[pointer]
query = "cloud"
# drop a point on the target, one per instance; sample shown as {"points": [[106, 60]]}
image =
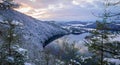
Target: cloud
{"points": [[60, 10]]}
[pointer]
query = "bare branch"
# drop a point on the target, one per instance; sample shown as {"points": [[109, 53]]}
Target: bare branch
{"points": [[3, 23]]}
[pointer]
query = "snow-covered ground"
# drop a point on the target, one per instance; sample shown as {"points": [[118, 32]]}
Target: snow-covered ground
{"points": [[117, 38], [112, 60], [32, 34], [76, 24]]}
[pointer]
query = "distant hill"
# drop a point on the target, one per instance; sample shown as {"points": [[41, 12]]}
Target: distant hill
{"points": [[89, 24]]}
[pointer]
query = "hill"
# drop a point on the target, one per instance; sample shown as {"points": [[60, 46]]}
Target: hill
{"points": [[34, 35]]}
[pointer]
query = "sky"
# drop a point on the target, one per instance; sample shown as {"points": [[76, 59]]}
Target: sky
{"points": [[61, 10]]}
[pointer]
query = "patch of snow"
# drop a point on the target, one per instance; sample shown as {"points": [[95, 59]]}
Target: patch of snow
{"points": [[15, 22], [76, 24], [115, 38], [14, 35], [10, 59], [112, 60], [88, 24], [20, 50], [27, 63], [117, 24]]}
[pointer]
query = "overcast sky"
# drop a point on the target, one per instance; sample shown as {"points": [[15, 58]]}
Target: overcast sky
{"points": [[61, 10]]}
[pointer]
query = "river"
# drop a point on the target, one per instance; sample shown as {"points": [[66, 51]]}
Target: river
{"points": [[78, 39]]}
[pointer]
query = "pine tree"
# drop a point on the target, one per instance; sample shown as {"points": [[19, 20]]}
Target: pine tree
{"points": [[7, 4], [99, 41], [10, 52]]}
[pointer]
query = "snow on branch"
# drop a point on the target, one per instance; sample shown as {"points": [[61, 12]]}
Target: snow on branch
{"points": [[14, 22]]}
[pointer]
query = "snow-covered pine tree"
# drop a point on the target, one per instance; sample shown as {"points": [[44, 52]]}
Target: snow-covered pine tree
{"points": [[99, 42], [6, 4], [10, 52]]}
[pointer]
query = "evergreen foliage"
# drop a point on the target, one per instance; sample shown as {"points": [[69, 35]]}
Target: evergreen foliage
{"points": [[100, 41], [10, 52], [7, 4]]}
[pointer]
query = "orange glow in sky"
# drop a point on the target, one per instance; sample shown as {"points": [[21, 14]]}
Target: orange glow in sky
{"points": [[61, 10], [36, 13]]}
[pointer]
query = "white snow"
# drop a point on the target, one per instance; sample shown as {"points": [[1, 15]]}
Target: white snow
{"points": [[20, 50], [117, 38], [14, 35], [112, 60], [10, 59], [85, 58], [88, 24], [27, 63], [117, 24], [33, 33], [76, 24], [15, 22]]}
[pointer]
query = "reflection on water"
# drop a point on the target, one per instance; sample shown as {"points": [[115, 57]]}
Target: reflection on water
{"points": [[79, 39], [71, 38]]}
